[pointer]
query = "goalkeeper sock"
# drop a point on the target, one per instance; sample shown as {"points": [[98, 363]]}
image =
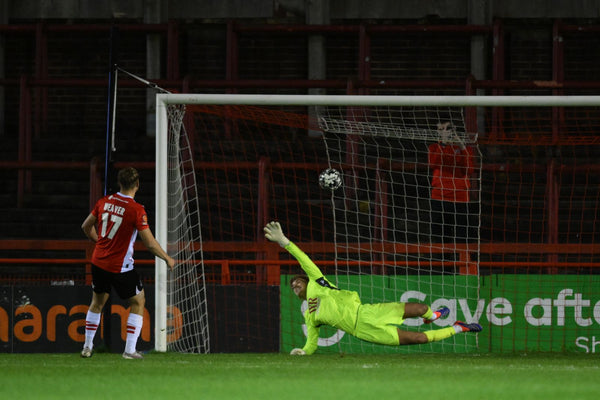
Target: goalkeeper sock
{"points": [[92, 320], [134, 327], [429, 314], [440, 334]]}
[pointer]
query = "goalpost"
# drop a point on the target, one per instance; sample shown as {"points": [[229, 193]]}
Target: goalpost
{"points": [[387, 244], [180, 301]]}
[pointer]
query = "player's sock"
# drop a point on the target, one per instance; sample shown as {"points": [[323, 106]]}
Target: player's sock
{"points": [[92, 320], [134, 327], [428, 314], [440, 334], [433, 315]]}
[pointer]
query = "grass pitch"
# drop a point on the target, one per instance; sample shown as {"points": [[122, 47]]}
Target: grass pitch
{"points": [[279, 376]]}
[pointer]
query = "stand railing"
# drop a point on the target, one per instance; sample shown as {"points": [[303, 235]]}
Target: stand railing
{"points": [[236, 271]]}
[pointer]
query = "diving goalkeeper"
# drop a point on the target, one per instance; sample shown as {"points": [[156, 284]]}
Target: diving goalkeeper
{"points": [[342, 309]]}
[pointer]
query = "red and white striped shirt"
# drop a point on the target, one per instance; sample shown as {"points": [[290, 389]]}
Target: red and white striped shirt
{"points": [[119, 218]]}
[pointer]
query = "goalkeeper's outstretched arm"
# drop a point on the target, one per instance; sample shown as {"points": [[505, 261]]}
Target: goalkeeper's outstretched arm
{"points": [[274, 233], [311, 343]]}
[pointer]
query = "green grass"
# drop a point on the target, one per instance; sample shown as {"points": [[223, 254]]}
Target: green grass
{"points": [[279, 376]]}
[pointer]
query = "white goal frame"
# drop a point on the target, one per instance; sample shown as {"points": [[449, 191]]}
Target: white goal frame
{"points": [[162, 100]]}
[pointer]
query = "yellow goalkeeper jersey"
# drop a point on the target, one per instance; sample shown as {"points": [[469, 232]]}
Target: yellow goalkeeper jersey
{"points": [[327, 305]]}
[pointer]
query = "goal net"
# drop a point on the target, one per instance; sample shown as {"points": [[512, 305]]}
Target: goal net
{"points": [[482, 204]]}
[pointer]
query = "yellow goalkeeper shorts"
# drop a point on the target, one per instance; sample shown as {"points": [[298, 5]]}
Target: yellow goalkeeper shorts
{"points": [[378, 323]]}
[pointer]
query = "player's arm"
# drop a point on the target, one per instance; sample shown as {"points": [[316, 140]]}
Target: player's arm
{"points": [[312, 340], [467, 160], [306, 263], [154, 247], [89, 227], [274, 233]]}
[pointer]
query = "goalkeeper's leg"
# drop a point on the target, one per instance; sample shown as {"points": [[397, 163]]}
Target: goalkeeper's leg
{"points": [[421, 310], [440, 334], [406, 337], [424, 311], [445, 333]]}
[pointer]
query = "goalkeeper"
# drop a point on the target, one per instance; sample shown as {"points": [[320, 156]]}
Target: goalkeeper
{"points": [[342, 309]]}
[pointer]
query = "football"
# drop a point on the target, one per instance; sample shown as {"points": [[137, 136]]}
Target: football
{"points": [[330, 179]]}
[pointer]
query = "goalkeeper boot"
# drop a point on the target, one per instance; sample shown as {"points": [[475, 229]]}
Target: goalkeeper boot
{"points": [[133, 356], [86, 352], [464, 327], [439, 313]]}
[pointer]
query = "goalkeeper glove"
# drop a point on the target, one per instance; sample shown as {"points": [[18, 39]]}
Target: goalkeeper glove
{"points": [[274, 233], [297, 352]]}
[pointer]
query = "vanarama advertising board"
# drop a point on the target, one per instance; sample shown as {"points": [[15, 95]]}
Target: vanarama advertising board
{"points": [[52, 319], [518, 313]]}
